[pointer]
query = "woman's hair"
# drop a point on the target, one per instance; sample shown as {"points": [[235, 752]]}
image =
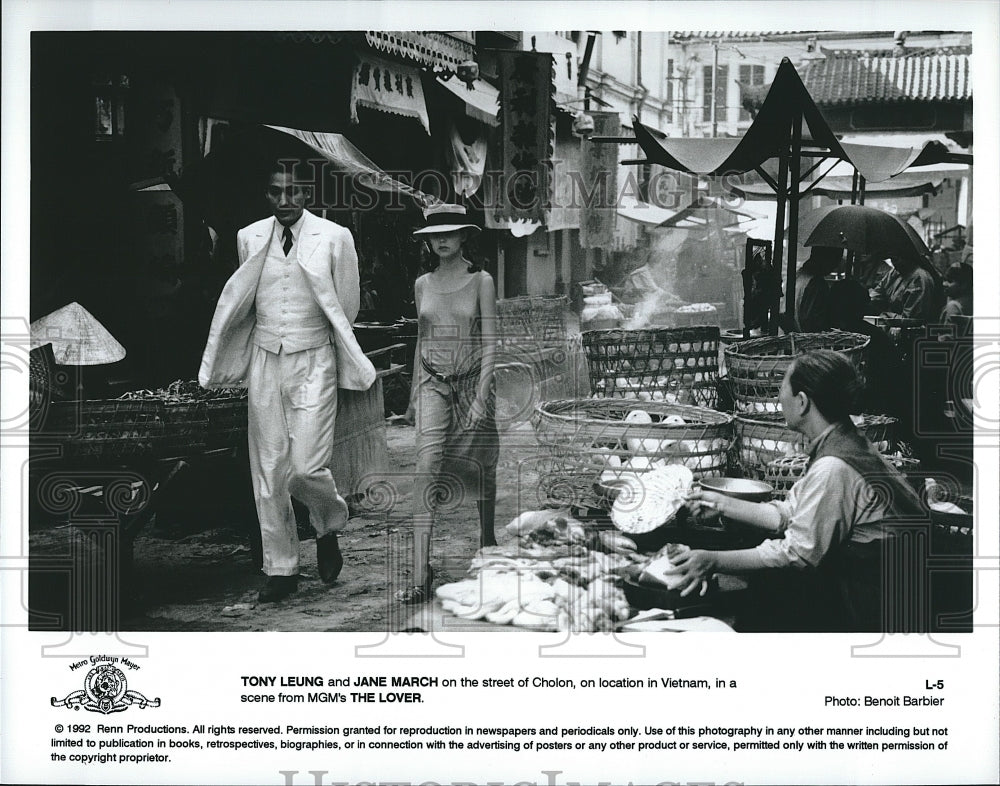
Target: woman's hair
{"points": [[830, 381], [430, 260]]}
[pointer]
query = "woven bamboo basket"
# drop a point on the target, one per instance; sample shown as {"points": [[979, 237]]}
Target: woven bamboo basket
{"points": [[760, 441], [673, 365], [227, 421], [589, 444], [756, 366], [102, 429], [531, 320], [783, 473]]}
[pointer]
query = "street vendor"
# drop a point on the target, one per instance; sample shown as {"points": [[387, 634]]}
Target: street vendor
{"points": [[283, 328], [870, 269], [821, 570], [884, 379], [910, 292], [958, 288], [453, 400], [812, 292]]}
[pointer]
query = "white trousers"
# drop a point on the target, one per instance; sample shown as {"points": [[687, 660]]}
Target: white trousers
{"points": [[292, 402]]}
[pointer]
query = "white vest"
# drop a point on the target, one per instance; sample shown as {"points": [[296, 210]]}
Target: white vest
{"points": [[288, 316]]}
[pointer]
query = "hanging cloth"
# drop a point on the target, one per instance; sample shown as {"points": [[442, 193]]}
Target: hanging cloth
{"points": [[394, 88], [468, 155]]}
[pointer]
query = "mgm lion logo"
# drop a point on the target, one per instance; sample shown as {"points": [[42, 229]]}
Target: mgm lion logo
{"points": [[105, 690]]}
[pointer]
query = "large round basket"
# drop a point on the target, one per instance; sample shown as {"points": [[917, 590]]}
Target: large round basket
{"points": [[784, 472], [589, 445], [673, 365], [761, 440], [756, 366]]}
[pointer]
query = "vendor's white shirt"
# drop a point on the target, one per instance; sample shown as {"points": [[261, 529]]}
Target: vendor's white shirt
{"points": [[830, 504]]}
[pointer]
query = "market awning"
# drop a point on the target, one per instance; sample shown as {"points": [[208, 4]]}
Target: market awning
{"points": [[787, 98], [337, 149], [426, 48], [482, 100], [840, 187], [701, 213]]}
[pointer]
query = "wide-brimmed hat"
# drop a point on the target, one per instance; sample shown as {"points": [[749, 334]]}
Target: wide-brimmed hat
{"points": [[445, 218]]}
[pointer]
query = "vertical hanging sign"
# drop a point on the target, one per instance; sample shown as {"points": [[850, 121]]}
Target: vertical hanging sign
{"points": [[598, 187], [527, 135]]}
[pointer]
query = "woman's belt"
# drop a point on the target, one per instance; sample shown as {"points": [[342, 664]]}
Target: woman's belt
{"points": [[449, 379]]}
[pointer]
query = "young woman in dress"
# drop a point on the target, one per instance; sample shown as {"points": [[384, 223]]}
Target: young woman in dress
{"points": [[452, 400]]}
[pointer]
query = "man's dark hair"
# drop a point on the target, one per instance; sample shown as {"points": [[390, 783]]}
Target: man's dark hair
{"points": [[302, 172]]}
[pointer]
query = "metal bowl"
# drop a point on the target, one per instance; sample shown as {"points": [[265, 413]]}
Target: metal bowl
{"points": [[739, 488]]}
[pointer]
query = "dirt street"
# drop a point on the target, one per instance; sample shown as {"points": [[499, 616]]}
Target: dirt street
{"points": [[193, 566], [206, 580]]}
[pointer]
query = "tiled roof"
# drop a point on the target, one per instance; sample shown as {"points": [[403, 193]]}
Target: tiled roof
{"points": [[686, 35], [867, 76]]}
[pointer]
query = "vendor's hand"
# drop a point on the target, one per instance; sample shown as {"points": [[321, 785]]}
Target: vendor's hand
{"points": [[410, 416], [696, 567], [699, 499]]}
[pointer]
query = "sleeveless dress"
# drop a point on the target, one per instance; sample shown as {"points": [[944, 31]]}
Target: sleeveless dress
{"points": [[455, 462]]}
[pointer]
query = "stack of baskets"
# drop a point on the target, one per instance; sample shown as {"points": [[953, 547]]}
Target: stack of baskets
{"points": [[673, 365], [783, 473], [756, 366], [760, 441], [531, 321], [588, 444]]}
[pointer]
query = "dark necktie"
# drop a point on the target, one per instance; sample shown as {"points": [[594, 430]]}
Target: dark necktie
{"points": [[287, 236]]}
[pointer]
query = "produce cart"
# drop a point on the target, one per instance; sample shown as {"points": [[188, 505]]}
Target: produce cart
{"points": [[104, 467]]}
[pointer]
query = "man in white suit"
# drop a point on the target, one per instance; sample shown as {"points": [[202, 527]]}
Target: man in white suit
{"points": [[283, 328]]}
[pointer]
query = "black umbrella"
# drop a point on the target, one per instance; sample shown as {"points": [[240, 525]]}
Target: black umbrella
{"points": [[864, 230]]}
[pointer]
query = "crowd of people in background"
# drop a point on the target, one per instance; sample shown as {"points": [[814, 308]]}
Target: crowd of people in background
{"points": [[894, 302]]}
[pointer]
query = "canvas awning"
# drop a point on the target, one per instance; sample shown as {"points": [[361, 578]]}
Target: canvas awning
{"points": [[840, 187], [694, 215], [786, 99], [482, 100], [337, 149]]}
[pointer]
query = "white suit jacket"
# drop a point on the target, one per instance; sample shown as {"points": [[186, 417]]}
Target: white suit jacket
{"points": [[327, 256]]}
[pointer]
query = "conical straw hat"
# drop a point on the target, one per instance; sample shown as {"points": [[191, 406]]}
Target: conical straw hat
{"points": [[77, 338]]}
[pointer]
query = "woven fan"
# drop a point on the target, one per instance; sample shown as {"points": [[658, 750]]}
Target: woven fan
{"points": [[649, 500]]}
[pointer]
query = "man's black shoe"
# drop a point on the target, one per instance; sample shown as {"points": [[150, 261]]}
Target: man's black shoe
{"points": [[278, 588], [329, 560]]}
